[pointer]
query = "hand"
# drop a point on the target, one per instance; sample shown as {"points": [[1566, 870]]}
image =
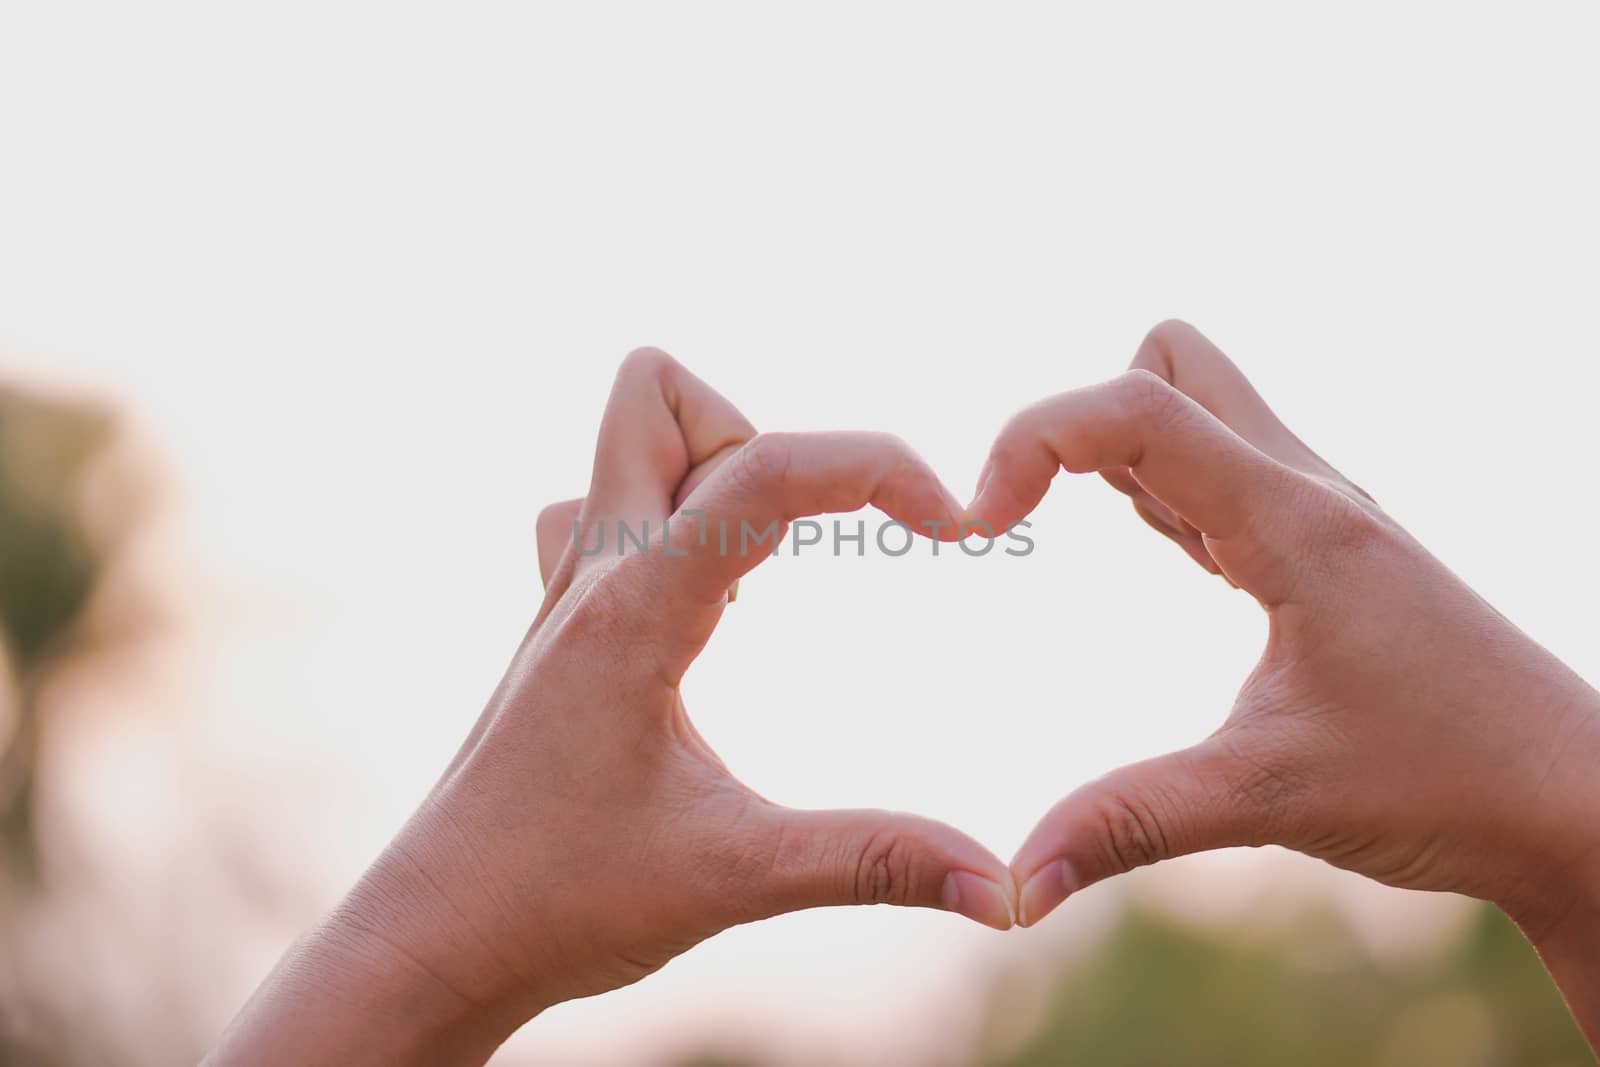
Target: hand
{"points": [[585, 834], [1396, 725]]}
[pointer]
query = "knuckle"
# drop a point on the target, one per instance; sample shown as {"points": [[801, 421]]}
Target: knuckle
{"points": [[1021, 435], [901, 460], [1132, 833], [1263, 788], [606, 597], [762, 460], [645, 363], [1169, 336], [555, 518], [1003, 450], [1263, 776], [596, 605], [883, 872], [892, 443], [1175, 350], [1149, 396], [608, 621], [1346, 527]]}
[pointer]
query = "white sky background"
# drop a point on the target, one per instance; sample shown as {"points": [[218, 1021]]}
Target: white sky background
{"points": [[364, 273]]}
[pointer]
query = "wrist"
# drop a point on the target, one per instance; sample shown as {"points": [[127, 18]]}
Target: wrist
{"points": [[1556, 903], [423, 913], [1550, 835], [342, 996], [1567, 939], [394, 975], [420, 966], [1559, 824]]}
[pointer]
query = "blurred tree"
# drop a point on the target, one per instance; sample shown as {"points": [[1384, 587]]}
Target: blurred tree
{"points": [[1159, 992], [48, 568]]}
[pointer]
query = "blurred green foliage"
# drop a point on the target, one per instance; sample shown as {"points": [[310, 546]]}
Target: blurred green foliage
{"points": [[47, 565], [1159, 992], [1156, 992], [48, 569]]}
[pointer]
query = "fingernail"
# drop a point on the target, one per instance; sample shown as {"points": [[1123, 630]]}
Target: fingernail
{"points": [[979, 899], [1049, 886]]}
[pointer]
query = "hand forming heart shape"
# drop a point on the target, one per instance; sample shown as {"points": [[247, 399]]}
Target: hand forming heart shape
{"points": [[1316, 752], [1207, 463], [585, 834]]}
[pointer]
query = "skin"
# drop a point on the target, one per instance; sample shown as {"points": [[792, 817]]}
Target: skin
{"points": [[1396, 724], [585, 834]]}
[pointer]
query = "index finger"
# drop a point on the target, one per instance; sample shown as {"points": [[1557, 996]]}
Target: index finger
{"points": [[1179, 452], [740, 514]]}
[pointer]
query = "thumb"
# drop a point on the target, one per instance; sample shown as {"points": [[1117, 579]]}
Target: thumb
{"points": [[826, 858], [1173, 805]]}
